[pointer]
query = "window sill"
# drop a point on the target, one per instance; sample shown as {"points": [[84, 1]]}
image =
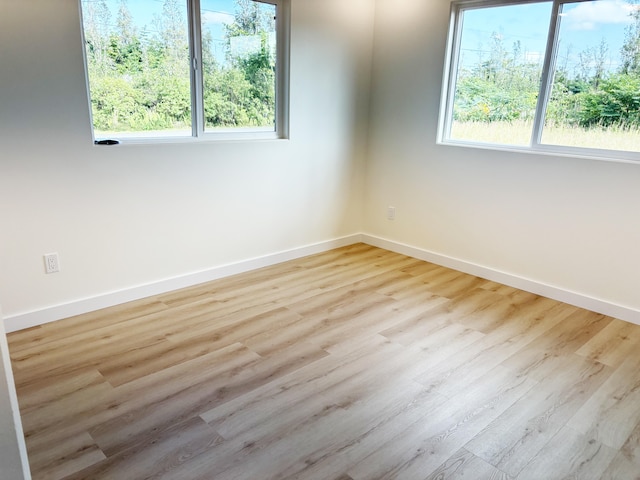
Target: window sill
{"points": [[552, 150], [217, 137]]}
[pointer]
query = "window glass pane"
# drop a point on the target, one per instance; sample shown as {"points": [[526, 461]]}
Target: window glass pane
{"points": [[498, 73], [239, 59], [595, 99], [138, 67]]}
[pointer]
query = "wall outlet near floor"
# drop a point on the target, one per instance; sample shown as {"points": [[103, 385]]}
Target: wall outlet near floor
{"points": [[51, 263], [391, 213]]}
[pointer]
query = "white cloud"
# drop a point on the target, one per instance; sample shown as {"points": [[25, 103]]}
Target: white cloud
{"points": [[587, 15], [217, 18]]}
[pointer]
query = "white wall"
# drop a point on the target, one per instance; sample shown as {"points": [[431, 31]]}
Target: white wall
{"points": [[130, 215], [570, 223], [13, 452]]}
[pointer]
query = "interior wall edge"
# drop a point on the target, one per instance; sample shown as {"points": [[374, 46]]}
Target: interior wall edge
{"points": [[13, 450], [554, 292], [34, 318]]}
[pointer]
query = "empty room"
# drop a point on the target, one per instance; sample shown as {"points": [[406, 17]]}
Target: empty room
{"points": [[319, 239]]}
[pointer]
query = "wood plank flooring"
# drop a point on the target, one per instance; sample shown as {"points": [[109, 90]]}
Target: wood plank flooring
{"points": [[353, 364]]}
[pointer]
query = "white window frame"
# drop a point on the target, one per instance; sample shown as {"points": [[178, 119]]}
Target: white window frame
{"points": [[281, 130], [546, 83]]}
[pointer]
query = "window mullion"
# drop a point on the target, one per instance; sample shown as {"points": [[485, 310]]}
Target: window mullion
{"points": [[456, 23], [195, 53], [548, 71], [282, 70]]}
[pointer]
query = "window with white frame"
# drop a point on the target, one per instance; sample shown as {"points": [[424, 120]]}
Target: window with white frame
{"points": [[559, 76], [187, 68]]}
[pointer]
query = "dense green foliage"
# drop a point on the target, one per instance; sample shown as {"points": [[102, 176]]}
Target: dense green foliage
{"points": [[140, 77], [504, 87], [499, 88]]}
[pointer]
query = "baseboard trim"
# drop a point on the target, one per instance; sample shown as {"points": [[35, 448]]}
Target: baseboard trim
{"points": [[34, 318], [57, 312], [573, 298]]}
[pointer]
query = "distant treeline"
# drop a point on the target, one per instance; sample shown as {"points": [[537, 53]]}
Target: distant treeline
{"points": [[504, 87], [140, 76]]}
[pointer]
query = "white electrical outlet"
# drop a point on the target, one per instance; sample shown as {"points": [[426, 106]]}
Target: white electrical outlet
{"points": [[391, 213], [51, 263]]}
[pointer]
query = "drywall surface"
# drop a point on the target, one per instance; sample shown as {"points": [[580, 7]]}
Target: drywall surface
{"points": [[130, 215], [13, 453], [567, 222]]}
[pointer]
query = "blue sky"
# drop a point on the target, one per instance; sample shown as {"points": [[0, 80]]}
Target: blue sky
{"points": [[583, 26], [214, 11], [214, 14]]}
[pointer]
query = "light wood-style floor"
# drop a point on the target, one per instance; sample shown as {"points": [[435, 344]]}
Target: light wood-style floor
{"points": [[354, 364]]}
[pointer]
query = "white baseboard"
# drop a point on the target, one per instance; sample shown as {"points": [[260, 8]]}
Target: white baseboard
{"points": [[550, 291], [57, 312], [77, 307]]}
